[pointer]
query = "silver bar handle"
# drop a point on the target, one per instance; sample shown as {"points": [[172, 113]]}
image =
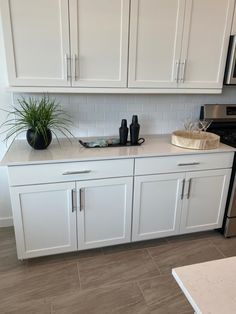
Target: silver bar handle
{"points": [[189, 188], [82, 199], [75, 67], [182, 193], [73, 196], [177, 64], [189, 164], [67, 61], [183, 70], [67, 173]]}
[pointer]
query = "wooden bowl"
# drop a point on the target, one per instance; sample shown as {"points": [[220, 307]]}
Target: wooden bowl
{"points": [[195, 139]]}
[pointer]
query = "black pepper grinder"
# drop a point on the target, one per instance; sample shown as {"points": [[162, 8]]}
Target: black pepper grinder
{"points": [[123, 132], [134, 130]]}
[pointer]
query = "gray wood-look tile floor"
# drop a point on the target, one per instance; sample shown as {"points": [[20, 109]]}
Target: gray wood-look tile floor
{"points": [[127, 279]]}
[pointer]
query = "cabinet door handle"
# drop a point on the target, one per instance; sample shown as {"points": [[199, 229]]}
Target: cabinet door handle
{"points": [[76, 60], [177, 64], [82, 199], [183, 71], [182, 193], [73, 196], [189, 164], [68, 72], [68, 173], [189, 188]]}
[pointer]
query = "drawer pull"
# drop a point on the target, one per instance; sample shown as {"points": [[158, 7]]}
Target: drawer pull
{"points": [[189, 164], [67, 173]]}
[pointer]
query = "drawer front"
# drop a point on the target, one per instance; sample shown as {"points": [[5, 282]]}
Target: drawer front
{"points": [[75, 171], [152, 165]]}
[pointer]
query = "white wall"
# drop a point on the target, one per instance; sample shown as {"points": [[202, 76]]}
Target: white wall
{"points": [[5, 100]]}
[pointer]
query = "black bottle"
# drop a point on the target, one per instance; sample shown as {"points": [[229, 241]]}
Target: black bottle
{"points": [[123, 132], [134, 130]]}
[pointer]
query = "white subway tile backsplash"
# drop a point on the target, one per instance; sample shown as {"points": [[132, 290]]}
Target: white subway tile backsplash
{"points": [[100, 115]]}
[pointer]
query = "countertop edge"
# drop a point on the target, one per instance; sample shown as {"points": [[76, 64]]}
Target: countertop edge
{"points": [[153, 141]]}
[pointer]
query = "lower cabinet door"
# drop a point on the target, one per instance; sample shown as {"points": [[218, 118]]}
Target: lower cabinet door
{"points": [[205, 199], [157, 205], [104, 212], [44, 219]]}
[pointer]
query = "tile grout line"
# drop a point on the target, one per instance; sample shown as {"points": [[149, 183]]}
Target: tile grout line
{"points": [[160, 301], [141, 291], [153, 260], [219, 250], [78, 271]]}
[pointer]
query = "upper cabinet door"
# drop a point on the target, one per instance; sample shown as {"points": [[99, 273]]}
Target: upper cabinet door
{"points": [[99, 42], [37, 42], [156, 28], [205, 43]]}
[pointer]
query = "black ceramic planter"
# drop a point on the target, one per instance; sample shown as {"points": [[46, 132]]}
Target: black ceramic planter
{"points": [[37, 141]]}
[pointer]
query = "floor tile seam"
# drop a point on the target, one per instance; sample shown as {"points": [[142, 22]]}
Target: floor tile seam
{"points": [[153, 260], [111, 261], [127, 305], [117, 283], [165, 299], [154, 277], [124, 251], [188, 241], [218, 249], [53, 299], [78, 271], [30, 270], [141, 291], [51, 308]]}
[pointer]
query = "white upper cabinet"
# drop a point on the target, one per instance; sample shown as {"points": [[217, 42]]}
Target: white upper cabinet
{"points": [[37, 42], [119, 45], [179, 43], [156, 28], [233, 29], [205, 42], [99, 42]]}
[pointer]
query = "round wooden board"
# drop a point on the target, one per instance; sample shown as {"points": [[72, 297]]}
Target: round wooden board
{"points": [[195, 139]]}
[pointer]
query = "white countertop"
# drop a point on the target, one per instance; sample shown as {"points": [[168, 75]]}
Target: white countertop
{"points": [[20, 153], [210, 287]]}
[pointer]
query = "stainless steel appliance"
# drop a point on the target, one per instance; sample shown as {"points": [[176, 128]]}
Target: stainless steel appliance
{"points": [[224, 124], [230, 71]]}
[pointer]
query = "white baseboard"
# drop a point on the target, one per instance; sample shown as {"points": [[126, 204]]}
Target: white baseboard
{"points": [[6, 222]]}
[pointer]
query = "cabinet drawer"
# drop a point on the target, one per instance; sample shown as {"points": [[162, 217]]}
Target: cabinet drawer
{"points": [[61, 172], [152, 165]]}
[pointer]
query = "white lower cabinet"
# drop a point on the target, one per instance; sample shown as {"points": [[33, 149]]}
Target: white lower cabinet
{"points": [[44, 219], [108, 202], [157, 206], [104, 212], [90, 206], [204, 204], [185, 202]]}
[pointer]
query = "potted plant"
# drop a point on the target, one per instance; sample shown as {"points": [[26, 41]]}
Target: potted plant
{"points": [[39, 119]]}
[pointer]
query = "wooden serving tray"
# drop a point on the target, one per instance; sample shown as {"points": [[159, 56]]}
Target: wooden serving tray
{"points": [[195, 139]]}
